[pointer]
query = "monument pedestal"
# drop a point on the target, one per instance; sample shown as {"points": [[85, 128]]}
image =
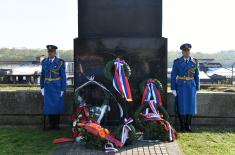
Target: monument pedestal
{"points": [[133, 25]]}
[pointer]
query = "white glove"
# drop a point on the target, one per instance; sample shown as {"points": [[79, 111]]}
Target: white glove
{"points": [[42, 91], [61, 93], [174, 92]]}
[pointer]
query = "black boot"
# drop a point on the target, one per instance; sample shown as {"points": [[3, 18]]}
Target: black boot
{"points": [[57, 122], [182, 122], [51, 122], [188, 123]]}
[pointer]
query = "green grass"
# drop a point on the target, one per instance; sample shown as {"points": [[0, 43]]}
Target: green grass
{"points": [[208, 142], [27, 141]]}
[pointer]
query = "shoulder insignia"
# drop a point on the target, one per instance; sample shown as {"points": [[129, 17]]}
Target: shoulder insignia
{"points": [[43, 60], [195, 61], [176, 60], [61, 61]]}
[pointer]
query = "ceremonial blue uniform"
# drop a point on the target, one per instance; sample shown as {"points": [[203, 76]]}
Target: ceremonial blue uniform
{"points": [[53, 80], [185, 80]]}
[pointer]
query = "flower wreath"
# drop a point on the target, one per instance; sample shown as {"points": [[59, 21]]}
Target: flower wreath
{"points": [[87, 125], [155, 124], [109, 70]]}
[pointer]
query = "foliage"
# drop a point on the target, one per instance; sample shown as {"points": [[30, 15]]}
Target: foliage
{"points": [[109, 70], [93, 142], [13, 54]]}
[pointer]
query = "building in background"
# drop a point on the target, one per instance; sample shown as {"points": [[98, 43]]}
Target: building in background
{"points": [[210, 72], [28, 72]]}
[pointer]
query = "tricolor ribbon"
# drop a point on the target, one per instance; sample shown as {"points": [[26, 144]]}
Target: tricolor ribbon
{"points": [[126, 129], [151, 117], [171, 132], [155, 116], [109, 148], [151, 91], [120, 81], [152, 105]]}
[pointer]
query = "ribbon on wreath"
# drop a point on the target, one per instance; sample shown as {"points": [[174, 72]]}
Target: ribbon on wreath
{"points": [[151, 116], [92, 80], [82, 118], [109, 148], [151, 91], [83, 107], [75, 118], [155, 116], [126, 129], [120, 81]]}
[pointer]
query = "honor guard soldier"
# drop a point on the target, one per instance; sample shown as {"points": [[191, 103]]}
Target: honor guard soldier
{"points": [[53, 86], [184, 85]]}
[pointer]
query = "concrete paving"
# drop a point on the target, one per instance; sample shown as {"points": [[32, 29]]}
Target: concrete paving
{"points": [[138, 148]]}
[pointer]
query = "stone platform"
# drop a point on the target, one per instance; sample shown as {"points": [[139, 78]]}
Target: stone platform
{"points": [[138, 148]]}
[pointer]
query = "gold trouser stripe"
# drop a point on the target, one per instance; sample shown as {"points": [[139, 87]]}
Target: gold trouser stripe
{"points": [[185, 78], [52, 79]]}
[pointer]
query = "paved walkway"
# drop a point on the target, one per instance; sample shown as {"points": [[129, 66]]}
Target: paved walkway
{"points": [[138, 148]]}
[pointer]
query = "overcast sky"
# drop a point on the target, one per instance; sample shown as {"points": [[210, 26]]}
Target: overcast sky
{"points": [[209, 25]]}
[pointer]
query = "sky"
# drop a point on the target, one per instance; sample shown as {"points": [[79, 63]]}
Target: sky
{"points": [[36, 23], [209, 25]]}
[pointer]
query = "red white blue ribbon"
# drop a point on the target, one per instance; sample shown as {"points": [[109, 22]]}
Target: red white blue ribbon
{"points": [[151, 91], [152, 117], [155, 116], [109, 148], [171, 133], [126, 129], [120, 81], [152, 105]]}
